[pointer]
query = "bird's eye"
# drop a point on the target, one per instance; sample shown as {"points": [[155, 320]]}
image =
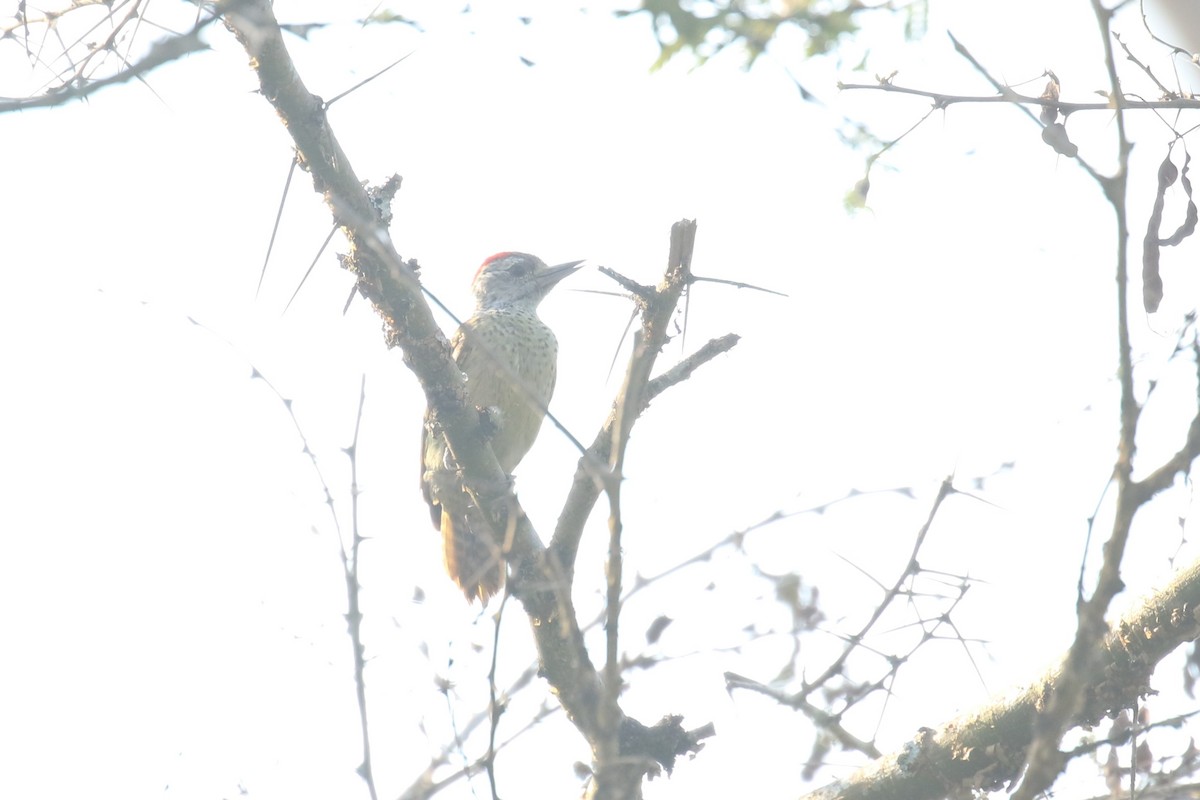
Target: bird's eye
{"points": [[520, 268]]}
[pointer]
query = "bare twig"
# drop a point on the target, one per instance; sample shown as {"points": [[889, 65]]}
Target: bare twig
{"points": [[1009, 97], [584, 489], [838, 664], [1044, 760], [645, 293], [648, 342], [820, 717], [349, 561], [495, 707], [78, 85], [425, 786], [984, 750], [1166, 93], [353, 611], [962, 50], [1175, 49]]}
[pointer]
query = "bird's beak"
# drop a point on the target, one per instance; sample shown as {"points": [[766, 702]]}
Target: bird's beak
{"points": [[554, 274]]}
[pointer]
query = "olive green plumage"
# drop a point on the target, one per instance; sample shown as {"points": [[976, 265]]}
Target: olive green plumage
{"points": [[510, 359]]}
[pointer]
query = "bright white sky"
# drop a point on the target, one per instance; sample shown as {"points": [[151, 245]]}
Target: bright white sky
{"points": [[171, 590]]}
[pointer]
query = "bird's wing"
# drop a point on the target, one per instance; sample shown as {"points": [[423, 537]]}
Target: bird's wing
{"points": [[457, 346]]}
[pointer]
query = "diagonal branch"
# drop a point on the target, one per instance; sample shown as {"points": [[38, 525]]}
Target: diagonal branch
{"points": [[165, 50], [391, 285], [985, 749], [585, 489]]}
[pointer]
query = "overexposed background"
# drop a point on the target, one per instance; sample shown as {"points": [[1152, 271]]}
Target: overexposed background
{"points": [[171, 591]]}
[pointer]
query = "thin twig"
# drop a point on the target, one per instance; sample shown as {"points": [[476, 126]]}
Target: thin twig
{"points": [[1005, 91], [585, 490], [425, 786], [1009, 97], [638, 290], [353, 611], [838, 664], [164, 51], [495, 709], [1166, 93], [821, 718], [983, 747], [1045, 762], [648, 342]]}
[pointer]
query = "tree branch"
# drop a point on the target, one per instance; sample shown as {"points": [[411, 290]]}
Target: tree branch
{"points": [[1044, 759], [1009, 97], [985, 749], [165, 50], [391, 285], [585, 490]]}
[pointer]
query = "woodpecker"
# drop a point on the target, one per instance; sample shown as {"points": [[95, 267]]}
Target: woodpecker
{"points": [[510, 359]]}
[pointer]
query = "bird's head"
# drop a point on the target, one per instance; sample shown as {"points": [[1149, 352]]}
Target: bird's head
{"points": [[518, 279]]}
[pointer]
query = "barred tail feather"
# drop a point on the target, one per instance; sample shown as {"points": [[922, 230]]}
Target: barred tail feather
{"points": [[474, 562]]}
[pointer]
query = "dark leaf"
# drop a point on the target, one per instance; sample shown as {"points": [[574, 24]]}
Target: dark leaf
{"points": [[656, 628], [1189, 221], [1152, 285]]}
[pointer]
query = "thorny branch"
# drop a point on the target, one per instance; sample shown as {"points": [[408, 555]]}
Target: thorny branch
{"points": [[838, 664], [819, 716], [984, 749], [79, 84], [585, 490], [388, 281], [1053, 133], [648, 342], [676, 374], [1067, 694], [839, 699], [390, 284], [1067, 697], [350, 563], [349, 560], [1010, 97], [1044, 760]]}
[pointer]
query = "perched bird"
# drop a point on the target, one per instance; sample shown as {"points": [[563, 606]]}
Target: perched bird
{"points": [[510, 359]]}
